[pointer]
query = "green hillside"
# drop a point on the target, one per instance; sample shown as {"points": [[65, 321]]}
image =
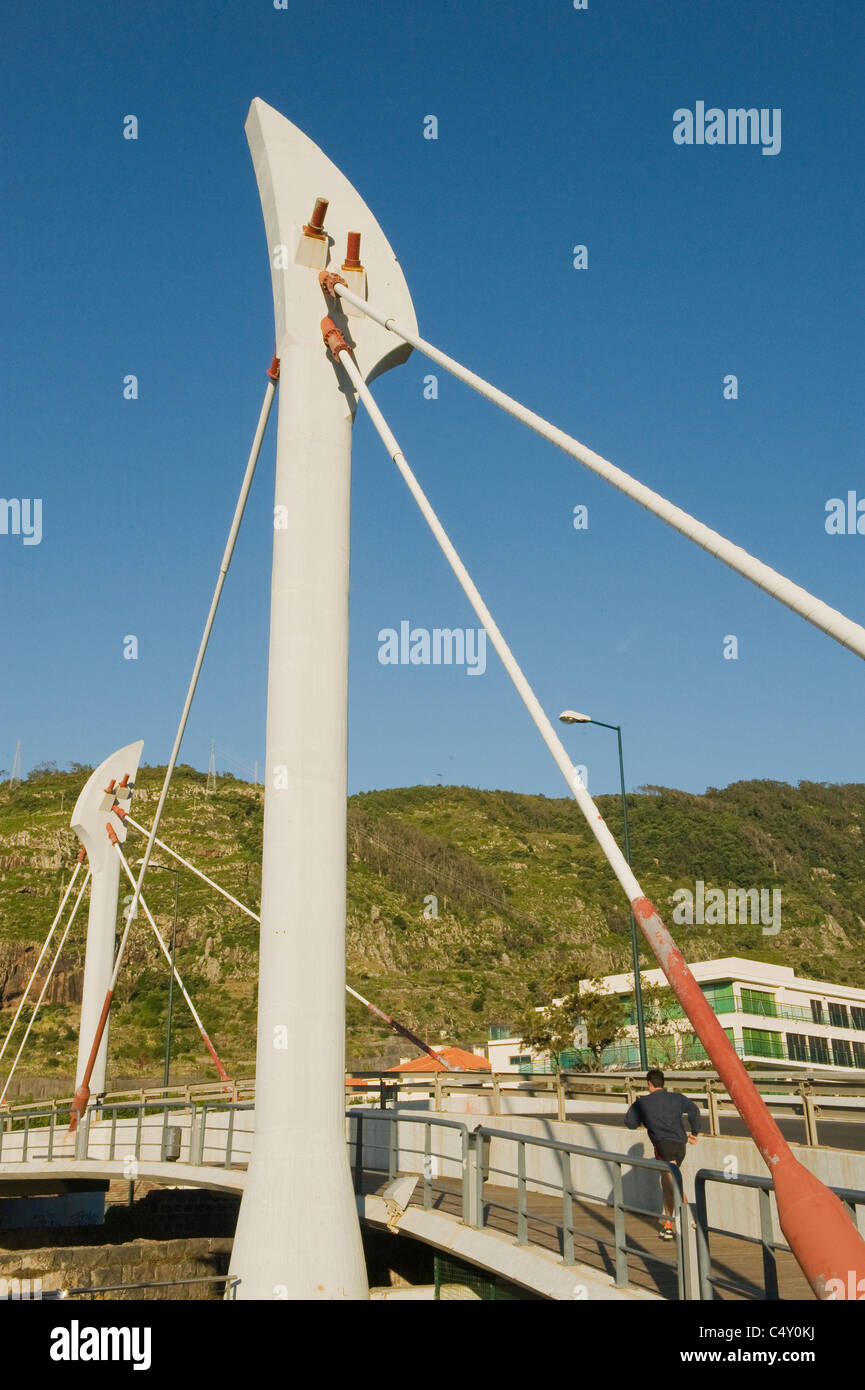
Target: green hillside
{"points": [[525, 904]]}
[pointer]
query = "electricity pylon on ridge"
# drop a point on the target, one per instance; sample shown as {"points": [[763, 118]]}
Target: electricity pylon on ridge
{"points": [[211, 769]]}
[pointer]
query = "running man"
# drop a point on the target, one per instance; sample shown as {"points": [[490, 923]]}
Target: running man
{"points": [[662, 1112]]}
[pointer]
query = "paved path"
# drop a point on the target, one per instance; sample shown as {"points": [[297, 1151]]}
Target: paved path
{"points": [[651, 1262]]}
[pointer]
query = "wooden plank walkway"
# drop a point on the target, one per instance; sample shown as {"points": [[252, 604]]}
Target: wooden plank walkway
{"points": [[651, 1261]]}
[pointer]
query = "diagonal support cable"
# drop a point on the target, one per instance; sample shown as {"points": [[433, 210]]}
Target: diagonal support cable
{"points": [[82, 1094], [273, 375], [46, 982], [223, 1074], [82, 855], [401, 1028], [379, 1013], [829, 620], [818, 1228], [125, 816]]}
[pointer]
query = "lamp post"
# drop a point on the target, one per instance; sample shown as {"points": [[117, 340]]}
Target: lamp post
{"points": [[570, 716], [166, 1071]]}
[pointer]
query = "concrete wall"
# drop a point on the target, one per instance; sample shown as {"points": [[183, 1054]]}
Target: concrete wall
{"points": [[68, 1209], [735, 1209]]}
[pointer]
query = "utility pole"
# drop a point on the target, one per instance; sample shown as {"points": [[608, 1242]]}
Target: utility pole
{"points": [[570, 716], [211, 769], [15, 779], [298, 1235]]}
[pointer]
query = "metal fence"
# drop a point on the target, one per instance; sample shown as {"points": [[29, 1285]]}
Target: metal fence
{"points": [[129, 1129], [709, 1282], [229, 1282], [799, 1096], [476, 1173], [207, 1128]]}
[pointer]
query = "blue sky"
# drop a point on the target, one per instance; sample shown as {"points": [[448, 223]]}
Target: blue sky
{"points": [[555, 129]]}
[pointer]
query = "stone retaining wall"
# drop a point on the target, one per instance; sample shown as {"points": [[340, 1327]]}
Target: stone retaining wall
{"points": [[135, 1261]]}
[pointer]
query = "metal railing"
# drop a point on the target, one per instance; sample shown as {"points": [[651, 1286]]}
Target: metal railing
{"points": [[799, 1095], [230, 1282], [708, 1282], [125, 1128], [394, 1148], [137, 1129], [569, 1191], [475, 1173]]}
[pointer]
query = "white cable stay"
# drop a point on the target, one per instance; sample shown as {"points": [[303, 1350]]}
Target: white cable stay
{"points": [[167, 954], [379, 1013], [829, 620], [82, 1094], [575, 784], [25, 995], [46, 981], [239, 509], [192, 869], [745, 1096]]}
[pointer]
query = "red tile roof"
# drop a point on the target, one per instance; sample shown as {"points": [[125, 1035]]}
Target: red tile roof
{"points": [[453, 1058]]}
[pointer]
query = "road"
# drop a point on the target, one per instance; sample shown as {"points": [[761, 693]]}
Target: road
{"points": [[834, 1129]]}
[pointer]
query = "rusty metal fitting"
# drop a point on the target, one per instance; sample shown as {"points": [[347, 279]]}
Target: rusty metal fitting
{"points": [[109, 790], [328, 279], [352, 253], [82, 855], [112, 833], [315, 225], [78, 1106], [333, 338], [273, 369], [119, 812], [124, 781]]}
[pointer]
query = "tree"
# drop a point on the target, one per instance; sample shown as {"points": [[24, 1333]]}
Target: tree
{"points": [[549, 1030], [665, 1023], [592, 1008], [602, 1016], [41, 770]]}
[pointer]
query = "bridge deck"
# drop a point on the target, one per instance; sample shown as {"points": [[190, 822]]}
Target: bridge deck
{"points": [[652, 1264]]}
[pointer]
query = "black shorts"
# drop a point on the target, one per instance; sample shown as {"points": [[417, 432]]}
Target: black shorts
{"points": [[670, 1150]]}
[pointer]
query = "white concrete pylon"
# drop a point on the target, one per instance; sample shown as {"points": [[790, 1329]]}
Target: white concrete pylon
{"points": [[298, 1235], [92, 810]]}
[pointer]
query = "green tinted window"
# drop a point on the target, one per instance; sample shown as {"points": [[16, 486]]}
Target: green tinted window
{"points": [[758, 1001], [720, 996], [760, 1042]]}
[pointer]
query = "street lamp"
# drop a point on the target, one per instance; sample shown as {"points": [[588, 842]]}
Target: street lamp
{"points": [[570, 716], [166, 1071]]}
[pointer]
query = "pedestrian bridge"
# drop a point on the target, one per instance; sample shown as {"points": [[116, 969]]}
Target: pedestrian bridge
{"points": [[555, 1208]]}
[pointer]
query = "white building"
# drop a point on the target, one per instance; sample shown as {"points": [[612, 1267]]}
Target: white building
{"points": [[773, 1017]]}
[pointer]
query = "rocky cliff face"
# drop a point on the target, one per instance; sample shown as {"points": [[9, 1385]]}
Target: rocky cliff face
{"points": [[17, 961]]}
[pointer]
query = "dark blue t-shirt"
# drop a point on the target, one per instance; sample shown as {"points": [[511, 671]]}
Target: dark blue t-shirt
{"points": [[661, 1112]]}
